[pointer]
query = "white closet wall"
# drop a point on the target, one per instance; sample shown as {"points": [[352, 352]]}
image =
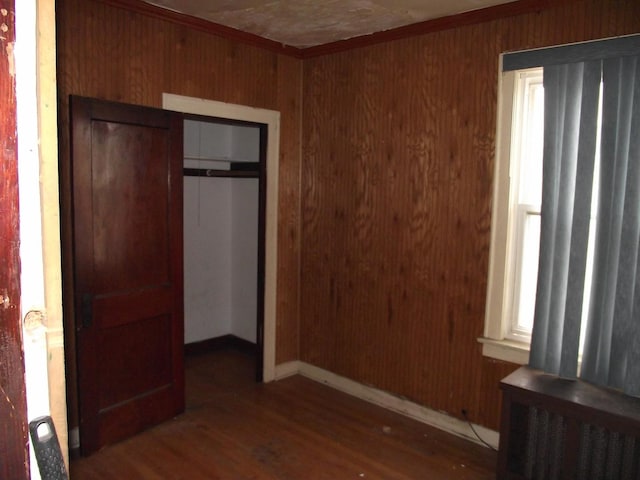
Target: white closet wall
{"points": [[220, 234], [244, 199], [207, 263]]}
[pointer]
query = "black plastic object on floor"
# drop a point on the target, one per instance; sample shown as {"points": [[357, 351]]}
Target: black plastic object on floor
{"points": [[47, 449]]}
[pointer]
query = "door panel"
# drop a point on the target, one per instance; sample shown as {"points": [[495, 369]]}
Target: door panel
{"points": [[127, 199], [134, 195], [126, 375]]}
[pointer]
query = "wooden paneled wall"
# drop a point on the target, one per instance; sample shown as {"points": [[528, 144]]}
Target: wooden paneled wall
{"points": [[397, 172], [115, 54]]}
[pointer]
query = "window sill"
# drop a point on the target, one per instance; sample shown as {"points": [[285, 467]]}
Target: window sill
{"points": [[505, 350]]}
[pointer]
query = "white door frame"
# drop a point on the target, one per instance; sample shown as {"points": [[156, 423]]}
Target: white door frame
{"points": [[271, 118]]}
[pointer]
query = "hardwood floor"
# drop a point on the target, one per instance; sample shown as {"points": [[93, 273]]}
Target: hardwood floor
{"points": [[291, 429]]}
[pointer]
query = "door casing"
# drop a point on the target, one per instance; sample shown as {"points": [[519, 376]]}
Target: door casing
{"points": [[271, 118]]}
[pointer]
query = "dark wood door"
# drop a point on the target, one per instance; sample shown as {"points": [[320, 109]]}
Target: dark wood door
{"points": [[128, 262], [14, 459]]}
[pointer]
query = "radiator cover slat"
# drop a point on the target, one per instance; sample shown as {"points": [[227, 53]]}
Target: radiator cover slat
{"points": [[555, 429]]}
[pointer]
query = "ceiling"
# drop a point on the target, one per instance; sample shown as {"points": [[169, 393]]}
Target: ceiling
{"points": [[307, 23]]}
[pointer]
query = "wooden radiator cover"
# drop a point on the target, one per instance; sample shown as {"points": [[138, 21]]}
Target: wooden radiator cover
{"points": [[554, 428]]}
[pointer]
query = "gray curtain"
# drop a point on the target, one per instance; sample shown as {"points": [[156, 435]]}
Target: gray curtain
{"points": [[570, 127], [612, 346]]}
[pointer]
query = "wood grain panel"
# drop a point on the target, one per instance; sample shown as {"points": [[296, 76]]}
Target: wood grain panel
{"points": [[113, 53], [398, 146], [289, 91]]}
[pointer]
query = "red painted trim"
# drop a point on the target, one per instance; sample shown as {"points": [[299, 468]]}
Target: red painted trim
{"points": [[437, 24], [505, 10], [14, 453], [138, 6]]}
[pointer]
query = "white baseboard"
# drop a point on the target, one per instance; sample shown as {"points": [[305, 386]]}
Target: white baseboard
{"points": [[288, 369], [391, 402]]}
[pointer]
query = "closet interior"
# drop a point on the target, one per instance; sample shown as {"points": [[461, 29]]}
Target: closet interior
{"points": [[222, 170]]}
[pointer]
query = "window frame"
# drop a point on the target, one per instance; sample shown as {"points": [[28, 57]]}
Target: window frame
{"points": [[498, 340]]}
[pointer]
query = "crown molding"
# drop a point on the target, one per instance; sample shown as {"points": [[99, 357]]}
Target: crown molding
{"points": [[496, 12], [472, 17], [138, 6]]}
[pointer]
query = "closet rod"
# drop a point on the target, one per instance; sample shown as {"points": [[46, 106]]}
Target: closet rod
{"points": [[211, 172]]}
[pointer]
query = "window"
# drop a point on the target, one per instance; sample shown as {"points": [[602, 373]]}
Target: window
{"points": [[516, 218], [588, 283], [525, 160]]}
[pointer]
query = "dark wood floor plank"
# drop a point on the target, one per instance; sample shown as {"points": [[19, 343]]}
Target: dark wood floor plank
{"points": [[292, 429], [389, 438], [287, 448]]}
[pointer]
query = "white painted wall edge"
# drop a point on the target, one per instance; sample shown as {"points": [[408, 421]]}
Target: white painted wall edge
{"points": [[436, 419], [32, 295]]}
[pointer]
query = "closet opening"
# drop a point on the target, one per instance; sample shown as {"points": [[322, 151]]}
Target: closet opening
{"points": [[224, 235]]}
